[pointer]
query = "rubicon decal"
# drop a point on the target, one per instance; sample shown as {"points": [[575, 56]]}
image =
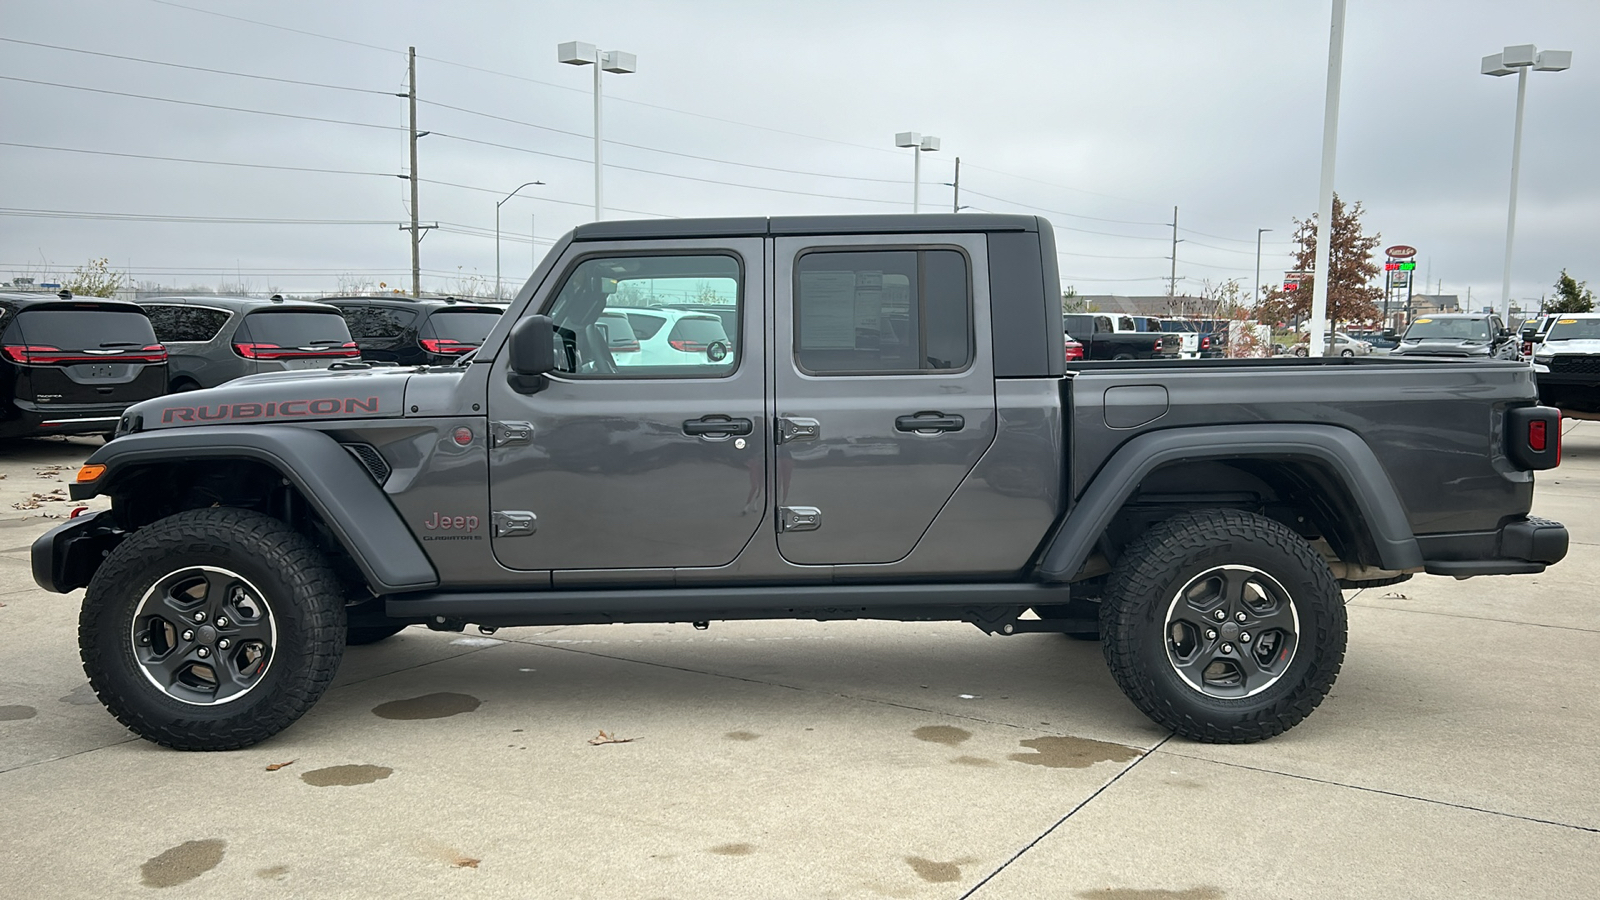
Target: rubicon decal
{"points": [[288, 409]]}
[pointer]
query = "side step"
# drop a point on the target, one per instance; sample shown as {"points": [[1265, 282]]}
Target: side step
{"points": [[992, 607]]}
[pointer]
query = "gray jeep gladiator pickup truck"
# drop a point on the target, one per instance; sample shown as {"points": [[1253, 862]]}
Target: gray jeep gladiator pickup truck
{"points": [[890, 432]]}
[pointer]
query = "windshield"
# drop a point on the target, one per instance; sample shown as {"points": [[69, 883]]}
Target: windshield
{"points": [[1574, 330], [81, 329], [1449, 329], [465, 326], [295, 329]]}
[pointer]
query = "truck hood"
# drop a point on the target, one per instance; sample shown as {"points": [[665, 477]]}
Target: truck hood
{"points": [[279, 397], [1563, 348]]}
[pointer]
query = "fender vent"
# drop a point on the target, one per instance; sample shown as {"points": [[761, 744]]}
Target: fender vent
{"points": [[371, 459]]}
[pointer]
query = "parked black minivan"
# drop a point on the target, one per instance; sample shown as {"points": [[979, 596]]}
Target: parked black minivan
{"points": [[71, 365], [411, 332]]}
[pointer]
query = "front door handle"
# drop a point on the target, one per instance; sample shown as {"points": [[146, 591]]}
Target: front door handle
{"points": [[717, 426], [929, 422]]}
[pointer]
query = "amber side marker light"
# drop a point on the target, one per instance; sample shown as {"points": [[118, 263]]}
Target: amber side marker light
{"points": [[90, 473]]}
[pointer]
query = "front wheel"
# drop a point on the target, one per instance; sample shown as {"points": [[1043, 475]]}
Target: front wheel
{"points": [[1223, 626], [1347, 353], [212, 629]]}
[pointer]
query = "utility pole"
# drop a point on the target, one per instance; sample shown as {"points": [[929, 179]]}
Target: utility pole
{"points": [[416, 228], [955, 204], [1172, 283]]}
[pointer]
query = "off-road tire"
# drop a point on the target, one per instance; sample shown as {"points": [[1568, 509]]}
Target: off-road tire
{"points": [[1144, 586], [299, 589]]}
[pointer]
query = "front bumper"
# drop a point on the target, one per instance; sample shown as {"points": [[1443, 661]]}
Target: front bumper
{"points": [[1522, 547], [65, 557]]}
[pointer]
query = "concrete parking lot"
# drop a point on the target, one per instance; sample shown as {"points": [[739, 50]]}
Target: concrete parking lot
{"points": [[1456, 757]]}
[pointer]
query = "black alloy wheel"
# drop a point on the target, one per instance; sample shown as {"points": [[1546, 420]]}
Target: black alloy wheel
{"points": [[212, 629], [1223, 626]]}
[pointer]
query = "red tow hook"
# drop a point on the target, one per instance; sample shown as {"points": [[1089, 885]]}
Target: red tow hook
{"points": [[77, 512]]}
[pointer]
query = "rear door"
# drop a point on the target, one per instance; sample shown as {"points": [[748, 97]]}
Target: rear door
{"points": [[82, 353], [884, 388]]}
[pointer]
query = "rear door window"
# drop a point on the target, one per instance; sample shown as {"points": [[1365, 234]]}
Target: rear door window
{"points": [[295, 328], [883, 311], [80, 329]]}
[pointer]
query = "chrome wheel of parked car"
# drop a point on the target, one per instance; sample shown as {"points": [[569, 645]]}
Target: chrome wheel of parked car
{"points": [[203, 635], [1232, 631]]}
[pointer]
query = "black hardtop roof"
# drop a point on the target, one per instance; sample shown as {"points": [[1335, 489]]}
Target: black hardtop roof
{"points": [[17, 302], [245, 304], [757, 226], [433, 303]]}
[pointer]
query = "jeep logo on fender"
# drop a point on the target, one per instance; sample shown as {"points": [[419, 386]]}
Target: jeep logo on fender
{"points": [[291, 409], [445, 523]]}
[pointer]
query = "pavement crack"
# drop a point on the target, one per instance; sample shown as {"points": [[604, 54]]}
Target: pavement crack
{"points": [[1062, 821], [1386, 793]]}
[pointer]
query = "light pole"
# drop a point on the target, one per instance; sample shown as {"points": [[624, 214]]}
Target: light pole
{"points": [[1255, 297], [919, 145], [578, 53], [1330, 143], [1520, 59], [497, 205]]}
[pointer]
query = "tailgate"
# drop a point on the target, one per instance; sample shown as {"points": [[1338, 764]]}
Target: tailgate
{"points": [[75, 354]]}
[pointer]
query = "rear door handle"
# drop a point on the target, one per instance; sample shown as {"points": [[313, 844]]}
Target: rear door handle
{"points": [[717, 426], [929, 421]]}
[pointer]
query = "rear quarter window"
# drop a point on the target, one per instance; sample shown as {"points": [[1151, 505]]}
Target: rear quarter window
{"points": [[175, 324]]}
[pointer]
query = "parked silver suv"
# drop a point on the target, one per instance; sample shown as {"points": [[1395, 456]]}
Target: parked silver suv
{"points": [[211, 340]]}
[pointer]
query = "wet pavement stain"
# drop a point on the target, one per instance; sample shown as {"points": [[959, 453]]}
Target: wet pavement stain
{"points": [[345, 776], [741, 736], [82, 695], [977, 762], [428, 706], [948, 735], [273, 873], [1072, 753], [17, 713], [733, 849], [935, 871], [185, 862], [1194, 893]]}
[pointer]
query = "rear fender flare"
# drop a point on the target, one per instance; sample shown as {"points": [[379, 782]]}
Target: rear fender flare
{"points": [[341, 491], [1340, 451]]}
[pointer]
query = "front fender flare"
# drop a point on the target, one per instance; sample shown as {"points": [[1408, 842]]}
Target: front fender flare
{"points": [[1343, 452], [341, 491]]}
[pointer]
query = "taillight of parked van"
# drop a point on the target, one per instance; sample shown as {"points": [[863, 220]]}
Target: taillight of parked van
{"points": [[445, 345], [347, 350], [44, 355]]}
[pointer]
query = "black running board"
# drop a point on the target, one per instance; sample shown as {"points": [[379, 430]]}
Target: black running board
{"points": [[992, 607]]}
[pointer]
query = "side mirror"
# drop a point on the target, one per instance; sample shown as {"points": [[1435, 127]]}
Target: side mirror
{"points": [[532, 354]]}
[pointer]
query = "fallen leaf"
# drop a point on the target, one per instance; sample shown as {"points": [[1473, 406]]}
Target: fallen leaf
{"points": [[1395, 595], [603, 738], [467, 862], [276, 766]]}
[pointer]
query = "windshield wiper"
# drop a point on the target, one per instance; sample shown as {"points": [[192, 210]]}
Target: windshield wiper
{"points": [[122, 343]]}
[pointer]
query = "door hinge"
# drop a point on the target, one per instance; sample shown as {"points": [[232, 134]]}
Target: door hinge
{"points": [[791, 429], [799, 518], [514, 522], [503, 434]]}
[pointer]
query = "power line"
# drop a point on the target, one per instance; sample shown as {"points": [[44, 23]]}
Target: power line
{"points": [[202, 162], [259, 112], [209, 220], [155, 62], [1058, 212]]}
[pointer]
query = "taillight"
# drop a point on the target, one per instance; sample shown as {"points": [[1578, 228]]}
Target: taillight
{"points": [[1527, 348], [1205, 342], [255, 351], [347, 350], [445, 345], [688, 346], [1536, 436], [45, 355]]}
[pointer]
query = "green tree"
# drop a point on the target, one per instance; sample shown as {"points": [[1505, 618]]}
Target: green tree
{"points": [[1071, 302], [1351, 295], [95, 279], [1572, 296]]}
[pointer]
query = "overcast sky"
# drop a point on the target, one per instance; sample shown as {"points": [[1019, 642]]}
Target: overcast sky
{"points": [[1102, 116]]}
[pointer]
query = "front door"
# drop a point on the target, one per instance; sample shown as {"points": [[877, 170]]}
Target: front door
{"points": [[884, 389], [628, 463]]}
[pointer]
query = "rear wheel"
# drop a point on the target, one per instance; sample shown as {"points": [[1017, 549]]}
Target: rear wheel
{"points": [[212, 629], [1347, 353], [1223, 626]]}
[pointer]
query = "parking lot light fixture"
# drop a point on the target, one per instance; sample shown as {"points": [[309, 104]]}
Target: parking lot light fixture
{"points": [[497, 205], [1520, 58], [619, 62], [920, 144]]}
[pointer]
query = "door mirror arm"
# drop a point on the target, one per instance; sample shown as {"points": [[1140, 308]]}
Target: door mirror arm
{"points": [[532, 352]]}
